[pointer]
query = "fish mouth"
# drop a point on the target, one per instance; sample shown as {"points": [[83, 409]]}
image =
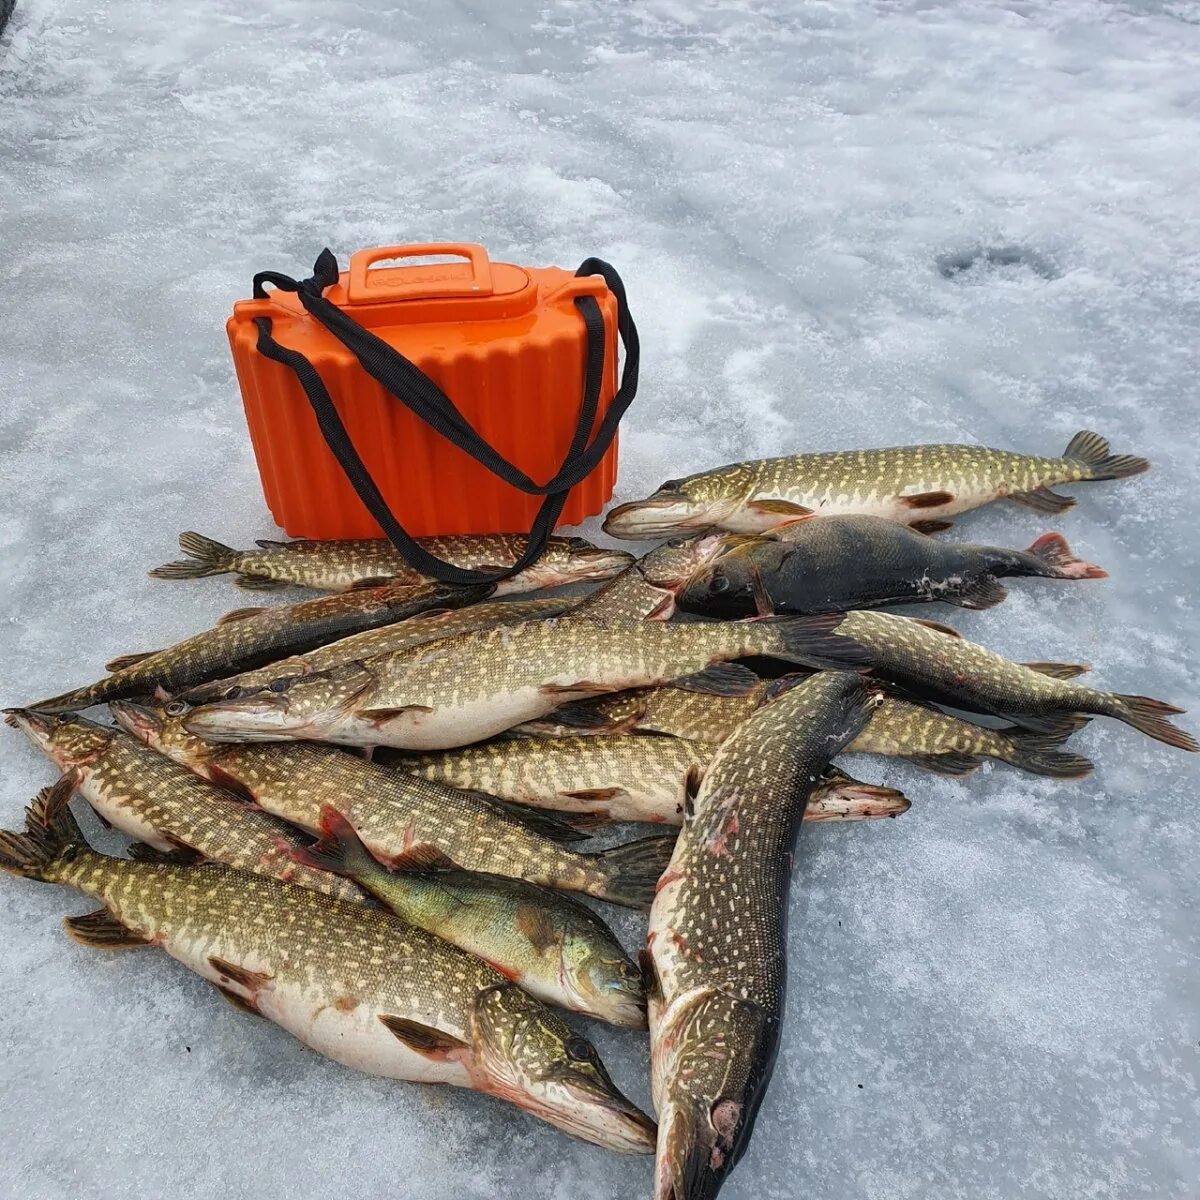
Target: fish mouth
{"points": [[136, 719], [619, 1002], [35, 725], [603, 1116], [658, 516], [255, 719]]}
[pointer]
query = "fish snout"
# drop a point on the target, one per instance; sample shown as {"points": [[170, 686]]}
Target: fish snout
{"points": [[659, 516], [603, 1115], [136, 719], [257, 718]]}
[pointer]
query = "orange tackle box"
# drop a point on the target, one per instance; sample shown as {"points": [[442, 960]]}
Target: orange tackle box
{"points": [[411, 399]]}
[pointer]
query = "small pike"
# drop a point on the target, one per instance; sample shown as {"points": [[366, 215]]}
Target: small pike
{"points": [[245, 639], [338, 566], [717, 946], [621, 778], [554, 947], [840, 563], [351, 982], [456, 692], [911, 485], [405, 822]]}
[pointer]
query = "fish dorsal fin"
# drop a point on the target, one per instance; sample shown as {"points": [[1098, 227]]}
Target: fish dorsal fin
{"points": [[1057, 670], [946, 764], [535, 923], [547, 824], [240, 614], [267, 544], [375, 581], [102, 931], [1043, 500], [258, 583], [927, 499], [937, 627], [124, 661], [719, 679], [252, 981], [931, 526], [424, 1039], [422, 858]]}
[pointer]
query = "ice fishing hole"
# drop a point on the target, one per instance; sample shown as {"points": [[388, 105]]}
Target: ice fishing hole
{"points": [[978, 262]]}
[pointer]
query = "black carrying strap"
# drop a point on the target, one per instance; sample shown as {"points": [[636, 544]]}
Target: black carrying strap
{"points": [[414, 389]]}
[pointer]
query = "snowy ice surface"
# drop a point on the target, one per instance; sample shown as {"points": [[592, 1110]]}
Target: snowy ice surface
{"points": [[997, 995]]}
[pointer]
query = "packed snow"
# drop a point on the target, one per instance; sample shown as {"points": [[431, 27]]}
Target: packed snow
{"points": [[840, 224]]}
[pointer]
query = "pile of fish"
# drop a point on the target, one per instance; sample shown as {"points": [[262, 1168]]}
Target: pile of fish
{"points": [[367, 816]]}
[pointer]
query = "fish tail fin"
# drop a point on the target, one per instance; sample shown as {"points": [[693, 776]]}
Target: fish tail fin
{"points": [[77, 700], [339, 848], [1090, 452], [204, 557], [1057, 562], [51, 832], [631, 871], [814, 642], [1041, 753], [1149, 716]]}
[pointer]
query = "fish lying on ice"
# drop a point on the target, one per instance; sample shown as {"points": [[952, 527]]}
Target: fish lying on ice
{"points": [[911, 485], [351, 982]]}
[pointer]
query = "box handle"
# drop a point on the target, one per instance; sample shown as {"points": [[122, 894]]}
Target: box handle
{"points": [[362, 289], [417, 392]]}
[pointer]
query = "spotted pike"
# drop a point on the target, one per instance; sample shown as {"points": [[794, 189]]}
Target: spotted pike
{"points": [[911, 485], [336, 566], [936, 661], [554, 947], [351, 982], [166, 806], [403, 635], [405, 822], [925, 736], [621, 778], [841, 563], [455, 692], [245, 639], [717, 946]]}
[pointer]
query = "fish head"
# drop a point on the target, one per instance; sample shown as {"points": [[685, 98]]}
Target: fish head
{"points": [[683, 505], [730, 582], [529, 1056], [840, 797], [65, 738], [601, 980], [161, 727], [576, 560], [303, 706], [714, 1073], [673, 563]]}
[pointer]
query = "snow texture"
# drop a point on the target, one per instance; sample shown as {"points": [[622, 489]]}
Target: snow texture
{"points": [[841, 224]]}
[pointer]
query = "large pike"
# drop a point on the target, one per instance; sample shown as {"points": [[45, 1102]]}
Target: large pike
{"points": [[621, 778], [338, 565], [350, 982], [925, 736], [243, 640], [387, 639], [936, 661], [405, 822], [841, 563], [166, 806], [717, 946], [556, 948], [912, 485], [452, 693]]}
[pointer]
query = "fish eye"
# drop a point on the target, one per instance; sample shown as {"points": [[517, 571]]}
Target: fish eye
{"points": [[177, 708], [677, 543], [720, 583], [279, 685], [234, 693], [579, 1050]]}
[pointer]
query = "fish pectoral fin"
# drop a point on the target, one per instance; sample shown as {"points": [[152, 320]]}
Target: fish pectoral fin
{"points": [[102, 931], [551, 825], [937, 627], [535, 923], [240, 614], [1043, 500], [719, 679], [258, 583], [424, 1039], [779, 508], [945, 764], [1057, 670], [177, 856], [422, 858], [984, 592], [582, 687], [381, 716], [239, 1002], [599, 795], [927, 499], [931, 526], [651, 983], [124, 661], [252, 981], [363, 585]]}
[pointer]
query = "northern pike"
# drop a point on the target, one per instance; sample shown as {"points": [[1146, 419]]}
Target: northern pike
{"points": [[387, 639], [164, 805], [911, 485], [556, 948], [336, 566], [841, 563], [717, 945], [350, 982], [245, 639], [405, 822], [451, 693], [925, 736], [621, 778], [937, 662]]}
